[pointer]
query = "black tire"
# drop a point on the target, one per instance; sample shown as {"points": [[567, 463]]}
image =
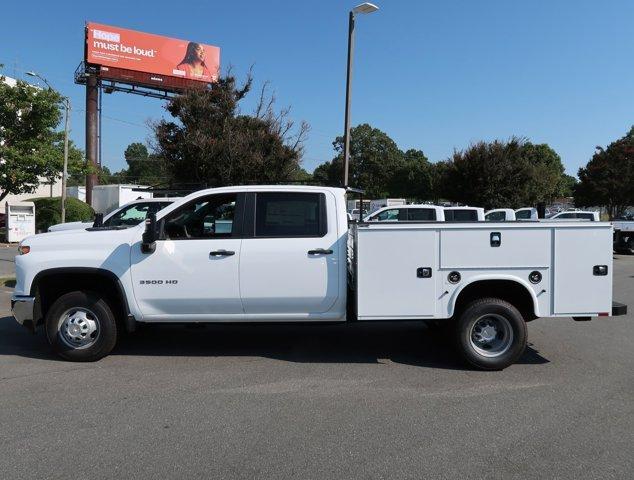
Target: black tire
{"points": [[629, 246], [512, 334], [100, 315]]}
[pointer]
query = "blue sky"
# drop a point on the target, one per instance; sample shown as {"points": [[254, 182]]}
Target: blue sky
{"points": [[435, 75]]}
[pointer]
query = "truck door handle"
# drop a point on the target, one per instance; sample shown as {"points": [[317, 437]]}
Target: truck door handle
{"points": [[221, 253], [320, 251]]}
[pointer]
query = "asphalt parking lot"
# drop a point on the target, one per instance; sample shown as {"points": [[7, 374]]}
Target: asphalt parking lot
{"points": [[352, 401]]}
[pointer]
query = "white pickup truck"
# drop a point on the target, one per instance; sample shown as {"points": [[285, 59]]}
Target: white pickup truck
{"points": [[288, 254]]}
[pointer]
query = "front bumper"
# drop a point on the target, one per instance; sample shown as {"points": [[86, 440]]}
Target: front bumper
{"points": [[23, 308]]}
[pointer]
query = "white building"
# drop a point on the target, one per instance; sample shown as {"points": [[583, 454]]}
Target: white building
{"points": [[44, 189]]}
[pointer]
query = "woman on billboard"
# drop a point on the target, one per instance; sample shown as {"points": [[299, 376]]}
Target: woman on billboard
{"points": [[193, 64]]}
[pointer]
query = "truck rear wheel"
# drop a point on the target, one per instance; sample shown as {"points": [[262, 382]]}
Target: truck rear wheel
{"points": [[81, 327], [491, 334]]}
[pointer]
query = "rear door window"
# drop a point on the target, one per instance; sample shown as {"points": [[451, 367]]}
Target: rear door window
{"points": [[421, 214], [461, 215], [290, 214]]}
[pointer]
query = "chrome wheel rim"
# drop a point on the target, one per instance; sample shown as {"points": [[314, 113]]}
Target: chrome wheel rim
{"points": [[78, 328], [491, 335]]}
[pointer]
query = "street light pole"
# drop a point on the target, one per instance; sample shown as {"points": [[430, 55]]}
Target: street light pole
{"points": [[66, 130], [346, 135], [363, 8]]}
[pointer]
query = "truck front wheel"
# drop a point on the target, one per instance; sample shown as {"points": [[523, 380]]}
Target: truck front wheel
{"points": [[81, 327], [491, 334]]}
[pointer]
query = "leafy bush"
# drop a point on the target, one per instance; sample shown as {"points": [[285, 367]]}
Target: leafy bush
{"points": [[48, 211]]}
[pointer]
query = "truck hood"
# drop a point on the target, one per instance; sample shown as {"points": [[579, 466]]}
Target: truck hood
{"points": [[69, 226], [73, 239]]}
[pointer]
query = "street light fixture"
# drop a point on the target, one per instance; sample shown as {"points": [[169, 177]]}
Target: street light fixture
{"points": [[66, 129], [364, 8]]}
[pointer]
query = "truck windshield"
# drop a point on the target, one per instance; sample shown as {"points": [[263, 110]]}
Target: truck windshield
{"points": [[134, 214]]}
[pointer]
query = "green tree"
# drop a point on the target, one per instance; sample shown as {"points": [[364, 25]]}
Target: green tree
{"points": [[439, 177], [48, 211], [374, 159], [211, 143], [302, 176], [412, 177], [143, 167], [567, 185], [324, 174], [379, 167], [31, 149], [608, 178], [104, 177], [503, 174]]}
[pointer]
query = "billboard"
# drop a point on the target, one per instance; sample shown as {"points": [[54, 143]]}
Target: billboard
{"points": [[130, 50]]}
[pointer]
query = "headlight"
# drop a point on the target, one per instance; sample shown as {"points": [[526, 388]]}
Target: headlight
{"points": [[23, 249]]}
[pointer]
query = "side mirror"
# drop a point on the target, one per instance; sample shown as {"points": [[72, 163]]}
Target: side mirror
{"points": [[98, 220], [150, 235]]}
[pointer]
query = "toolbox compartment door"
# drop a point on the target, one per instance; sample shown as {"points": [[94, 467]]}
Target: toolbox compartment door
{"points": [[391, 282], [474, 247], [578, 289]]}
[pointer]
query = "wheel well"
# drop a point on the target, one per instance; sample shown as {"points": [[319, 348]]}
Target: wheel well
{"points": [[49, 286], [513, 292]]}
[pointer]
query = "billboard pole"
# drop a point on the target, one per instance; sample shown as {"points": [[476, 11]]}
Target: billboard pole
{"points": [[92, 96]]}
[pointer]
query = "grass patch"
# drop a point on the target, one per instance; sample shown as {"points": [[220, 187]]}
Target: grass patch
{"points": [[8, 282]]}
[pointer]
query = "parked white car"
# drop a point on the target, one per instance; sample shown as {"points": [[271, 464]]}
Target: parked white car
{"points": [[500, 215], [407, 213], [464, 214], [526, 213], [577, 215], [355, 214], [508, 214], [129, 215]]}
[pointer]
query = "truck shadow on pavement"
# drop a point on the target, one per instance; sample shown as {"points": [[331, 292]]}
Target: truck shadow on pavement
{"points": [[409, 343]]}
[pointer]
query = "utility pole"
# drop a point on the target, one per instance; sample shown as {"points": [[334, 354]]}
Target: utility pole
{"points": [[65, 170], [92, 98], [66, 132]]}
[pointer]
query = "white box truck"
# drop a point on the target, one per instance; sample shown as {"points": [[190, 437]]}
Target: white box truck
{"points": [[288, 254], [106, 198]]}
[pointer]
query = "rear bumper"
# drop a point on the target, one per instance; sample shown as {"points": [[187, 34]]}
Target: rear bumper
{"points": [[618, 309], [23, 309]]}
